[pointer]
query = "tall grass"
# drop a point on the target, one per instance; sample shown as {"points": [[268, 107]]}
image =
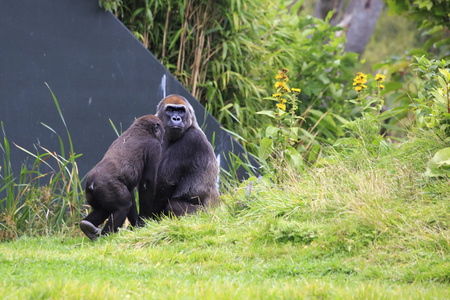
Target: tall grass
{"points": [[359, 224], [362, 208], [45, 198]]}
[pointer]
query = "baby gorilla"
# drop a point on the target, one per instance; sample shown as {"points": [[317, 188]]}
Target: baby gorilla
{"points": [[132, 158]]}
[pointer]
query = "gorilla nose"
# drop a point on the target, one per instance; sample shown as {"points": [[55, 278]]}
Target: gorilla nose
{"points": [[177, 121]]}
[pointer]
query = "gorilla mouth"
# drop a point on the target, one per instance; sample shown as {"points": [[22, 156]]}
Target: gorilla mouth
{"points": [[174, 132], [175, 128]]}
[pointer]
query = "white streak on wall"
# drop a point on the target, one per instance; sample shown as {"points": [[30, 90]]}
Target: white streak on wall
{"points": [[218, 176], [163, 86]]}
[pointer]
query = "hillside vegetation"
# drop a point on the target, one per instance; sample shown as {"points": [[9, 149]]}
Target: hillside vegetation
{"points": [[356, 226]]}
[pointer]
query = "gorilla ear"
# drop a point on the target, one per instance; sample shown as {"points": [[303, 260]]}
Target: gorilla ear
{"points": [[157, 127], [192, 119]]}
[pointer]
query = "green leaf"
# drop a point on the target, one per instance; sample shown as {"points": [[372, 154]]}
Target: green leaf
{"points": [[225, 50], [295, 158], [272, 131], [442, 81], [295, 130], [442, 157], [392, 112], [397, 7], [307, 32], [175, 39], [439, 165], [392, 86], [264, 148], [324, 78], [340, 119], [269, 113]]}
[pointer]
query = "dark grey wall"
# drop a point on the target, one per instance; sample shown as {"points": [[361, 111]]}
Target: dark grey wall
{"points": [[97, 69]]}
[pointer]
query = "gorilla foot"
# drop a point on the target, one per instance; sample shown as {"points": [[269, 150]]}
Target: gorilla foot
{"points": [[90, 230]]}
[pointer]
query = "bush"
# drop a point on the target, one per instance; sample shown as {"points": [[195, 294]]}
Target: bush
{"points": [[227, 52]]}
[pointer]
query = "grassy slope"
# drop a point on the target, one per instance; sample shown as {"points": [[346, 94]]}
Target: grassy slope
{"points": [[363, 226]]}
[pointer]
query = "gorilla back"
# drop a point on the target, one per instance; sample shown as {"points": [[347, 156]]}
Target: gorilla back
{"points": [[131, 159], [188, 171]]}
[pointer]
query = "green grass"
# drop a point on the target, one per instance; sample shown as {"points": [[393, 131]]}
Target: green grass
{"points": [[45, 198], [358, 226]]}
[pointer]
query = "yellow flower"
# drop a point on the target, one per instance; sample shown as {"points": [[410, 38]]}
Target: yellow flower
{"points": [[296, 90], [281, 75], [360, 78], [281, 106], [283, 100], [381, 86], [359, 81], [276, 95], [284, 70], [361, 74], [279, 84], [379, 77], [278, 77]]}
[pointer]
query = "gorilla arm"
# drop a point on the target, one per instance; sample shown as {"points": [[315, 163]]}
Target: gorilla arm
{"points": [[195, 178], [147, 184]]}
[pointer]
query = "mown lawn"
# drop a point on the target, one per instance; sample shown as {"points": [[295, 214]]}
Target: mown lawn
{"points": [[356, 226]]}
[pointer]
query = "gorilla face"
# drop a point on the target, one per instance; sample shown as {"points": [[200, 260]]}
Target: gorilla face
{"points": [[175, 121], [177, 116]]}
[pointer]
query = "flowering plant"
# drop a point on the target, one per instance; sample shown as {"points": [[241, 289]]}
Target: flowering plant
{"points": [[366, 129], [280, 141], [365, 100]]}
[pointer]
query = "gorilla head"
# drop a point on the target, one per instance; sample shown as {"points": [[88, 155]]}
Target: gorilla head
{"points": [[177, 115]]}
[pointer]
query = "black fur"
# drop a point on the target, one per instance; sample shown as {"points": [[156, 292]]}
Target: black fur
{"points": [[188, 171], [131, 159]]}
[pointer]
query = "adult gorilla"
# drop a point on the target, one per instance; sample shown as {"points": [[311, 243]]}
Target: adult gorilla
{"points": [[188, 171]]}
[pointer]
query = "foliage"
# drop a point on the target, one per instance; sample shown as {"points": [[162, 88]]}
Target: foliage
{"points": [[432, 108], [44, 199], [281, 141], [432, 105], [365, 130], [224, 53], [364, 100], [433, 17], [439, 165], [323, 71], [111, 5]]}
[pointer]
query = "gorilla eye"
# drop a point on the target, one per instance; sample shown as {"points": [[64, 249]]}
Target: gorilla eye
{"points": [[169, 109]]}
